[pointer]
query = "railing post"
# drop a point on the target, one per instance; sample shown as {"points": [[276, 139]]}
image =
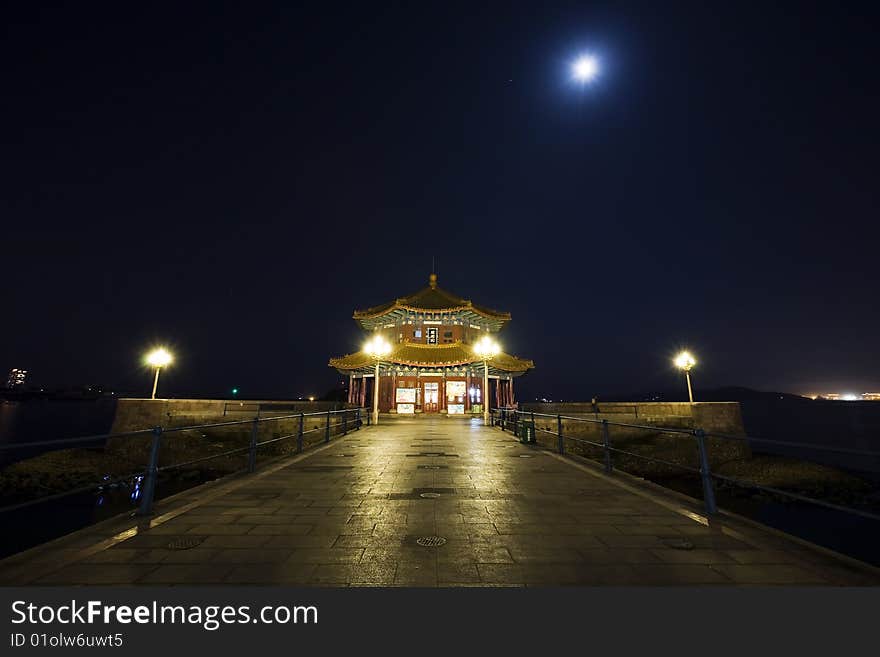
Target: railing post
{"points": [[559, 436], [357, 419], [299, 434], [606, 440], [327, 429], [252, 451], [152, 473], [515, 421], [345, 422], [705, 474]]}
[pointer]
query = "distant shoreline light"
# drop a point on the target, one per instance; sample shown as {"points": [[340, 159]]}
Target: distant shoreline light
{"points": [[845, 396]]}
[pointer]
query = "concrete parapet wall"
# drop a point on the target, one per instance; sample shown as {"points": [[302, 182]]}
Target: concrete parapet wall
{"points": [[674, 448], [136, 414], [186, 445], [720, 417]]}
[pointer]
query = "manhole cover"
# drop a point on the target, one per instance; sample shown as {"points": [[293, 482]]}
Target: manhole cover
{"points": [[679, 544], [185, 542], [429, 496], [431, 541]]}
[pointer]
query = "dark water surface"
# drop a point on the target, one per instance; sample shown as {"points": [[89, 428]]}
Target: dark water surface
{"points": [[32, 525], [49, 419]]}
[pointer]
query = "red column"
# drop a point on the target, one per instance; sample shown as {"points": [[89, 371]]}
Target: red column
{"points": [[512, 398], [467, 393], [497, 391]]}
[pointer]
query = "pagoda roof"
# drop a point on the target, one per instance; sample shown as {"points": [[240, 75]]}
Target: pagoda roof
{"points": [[433, 355], [431, 299]]}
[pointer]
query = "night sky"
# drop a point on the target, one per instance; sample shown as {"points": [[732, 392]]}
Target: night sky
{"points": [[234, 180]]}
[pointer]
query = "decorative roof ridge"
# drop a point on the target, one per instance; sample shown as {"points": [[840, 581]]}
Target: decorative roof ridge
{"points": [[407, 303]]}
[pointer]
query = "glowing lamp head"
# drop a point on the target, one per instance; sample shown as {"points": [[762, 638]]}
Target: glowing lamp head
{"points": [[585, 68], [159, 357], [377, 347], [486, 347], [684, 361]]}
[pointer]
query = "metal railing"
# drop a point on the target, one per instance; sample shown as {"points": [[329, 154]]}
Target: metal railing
{"points": [[513, 419], [337, 422]]}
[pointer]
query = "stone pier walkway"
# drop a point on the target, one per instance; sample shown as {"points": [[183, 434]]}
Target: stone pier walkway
{"points": [[355, 512]]}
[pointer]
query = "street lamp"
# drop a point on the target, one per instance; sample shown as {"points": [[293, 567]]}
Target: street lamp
{"points": [[684, 361], [486, 348], [377, 347], [585, 68], [158, 358]]}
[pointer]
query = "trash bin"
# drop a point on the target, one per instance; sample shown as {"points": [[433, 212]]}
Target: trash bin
{"points": [[526, 431]]}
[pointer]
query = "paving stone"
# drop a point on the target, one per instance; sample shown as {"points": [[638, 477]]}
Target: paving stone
{"points": [[252, 555], [221, 530], [97, 574], [769, 574], [326, 556], [203, 573], [679, 574], [695, 556], [248, 541]]}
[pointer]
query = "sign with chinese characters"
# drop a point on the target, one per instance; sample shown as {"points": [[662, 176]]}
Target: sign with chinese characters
{"points": [[456, 389], [431, 335], [406, 408], [455, 409], [406, 396]]}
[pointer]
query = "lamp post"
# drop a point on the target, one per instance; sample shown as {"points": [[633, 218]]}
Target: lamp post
{"points": [[486, 348], [158, 358], [377, 347], [684, 361]]}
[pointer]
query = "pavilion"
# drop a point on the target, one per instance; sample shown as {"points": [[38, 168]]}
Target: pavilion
{"points": [[433, 364]]}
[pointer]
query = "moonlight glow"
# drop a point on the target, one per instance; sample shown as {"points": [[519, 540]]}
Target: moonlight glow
{"points": [[585, 68]]}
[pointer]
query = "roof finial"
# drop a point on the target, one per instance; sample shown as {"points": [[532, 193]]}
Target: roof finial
{"points": [[432, 279]]}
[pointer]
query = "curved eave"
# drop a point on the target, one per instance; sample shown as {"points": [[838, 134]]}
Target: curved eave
{"points": [[362, 362], [369, 322]]}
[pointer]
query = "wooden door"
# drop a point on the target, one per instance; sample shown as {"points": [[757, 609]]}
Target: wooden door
{"points": [[431, 398]]}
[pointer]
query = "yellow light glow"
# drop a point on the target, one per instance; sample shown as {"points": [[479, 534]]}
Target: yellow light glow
{"points": [[486, 347], [159, 357], [377, 347], [684, 361]]}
